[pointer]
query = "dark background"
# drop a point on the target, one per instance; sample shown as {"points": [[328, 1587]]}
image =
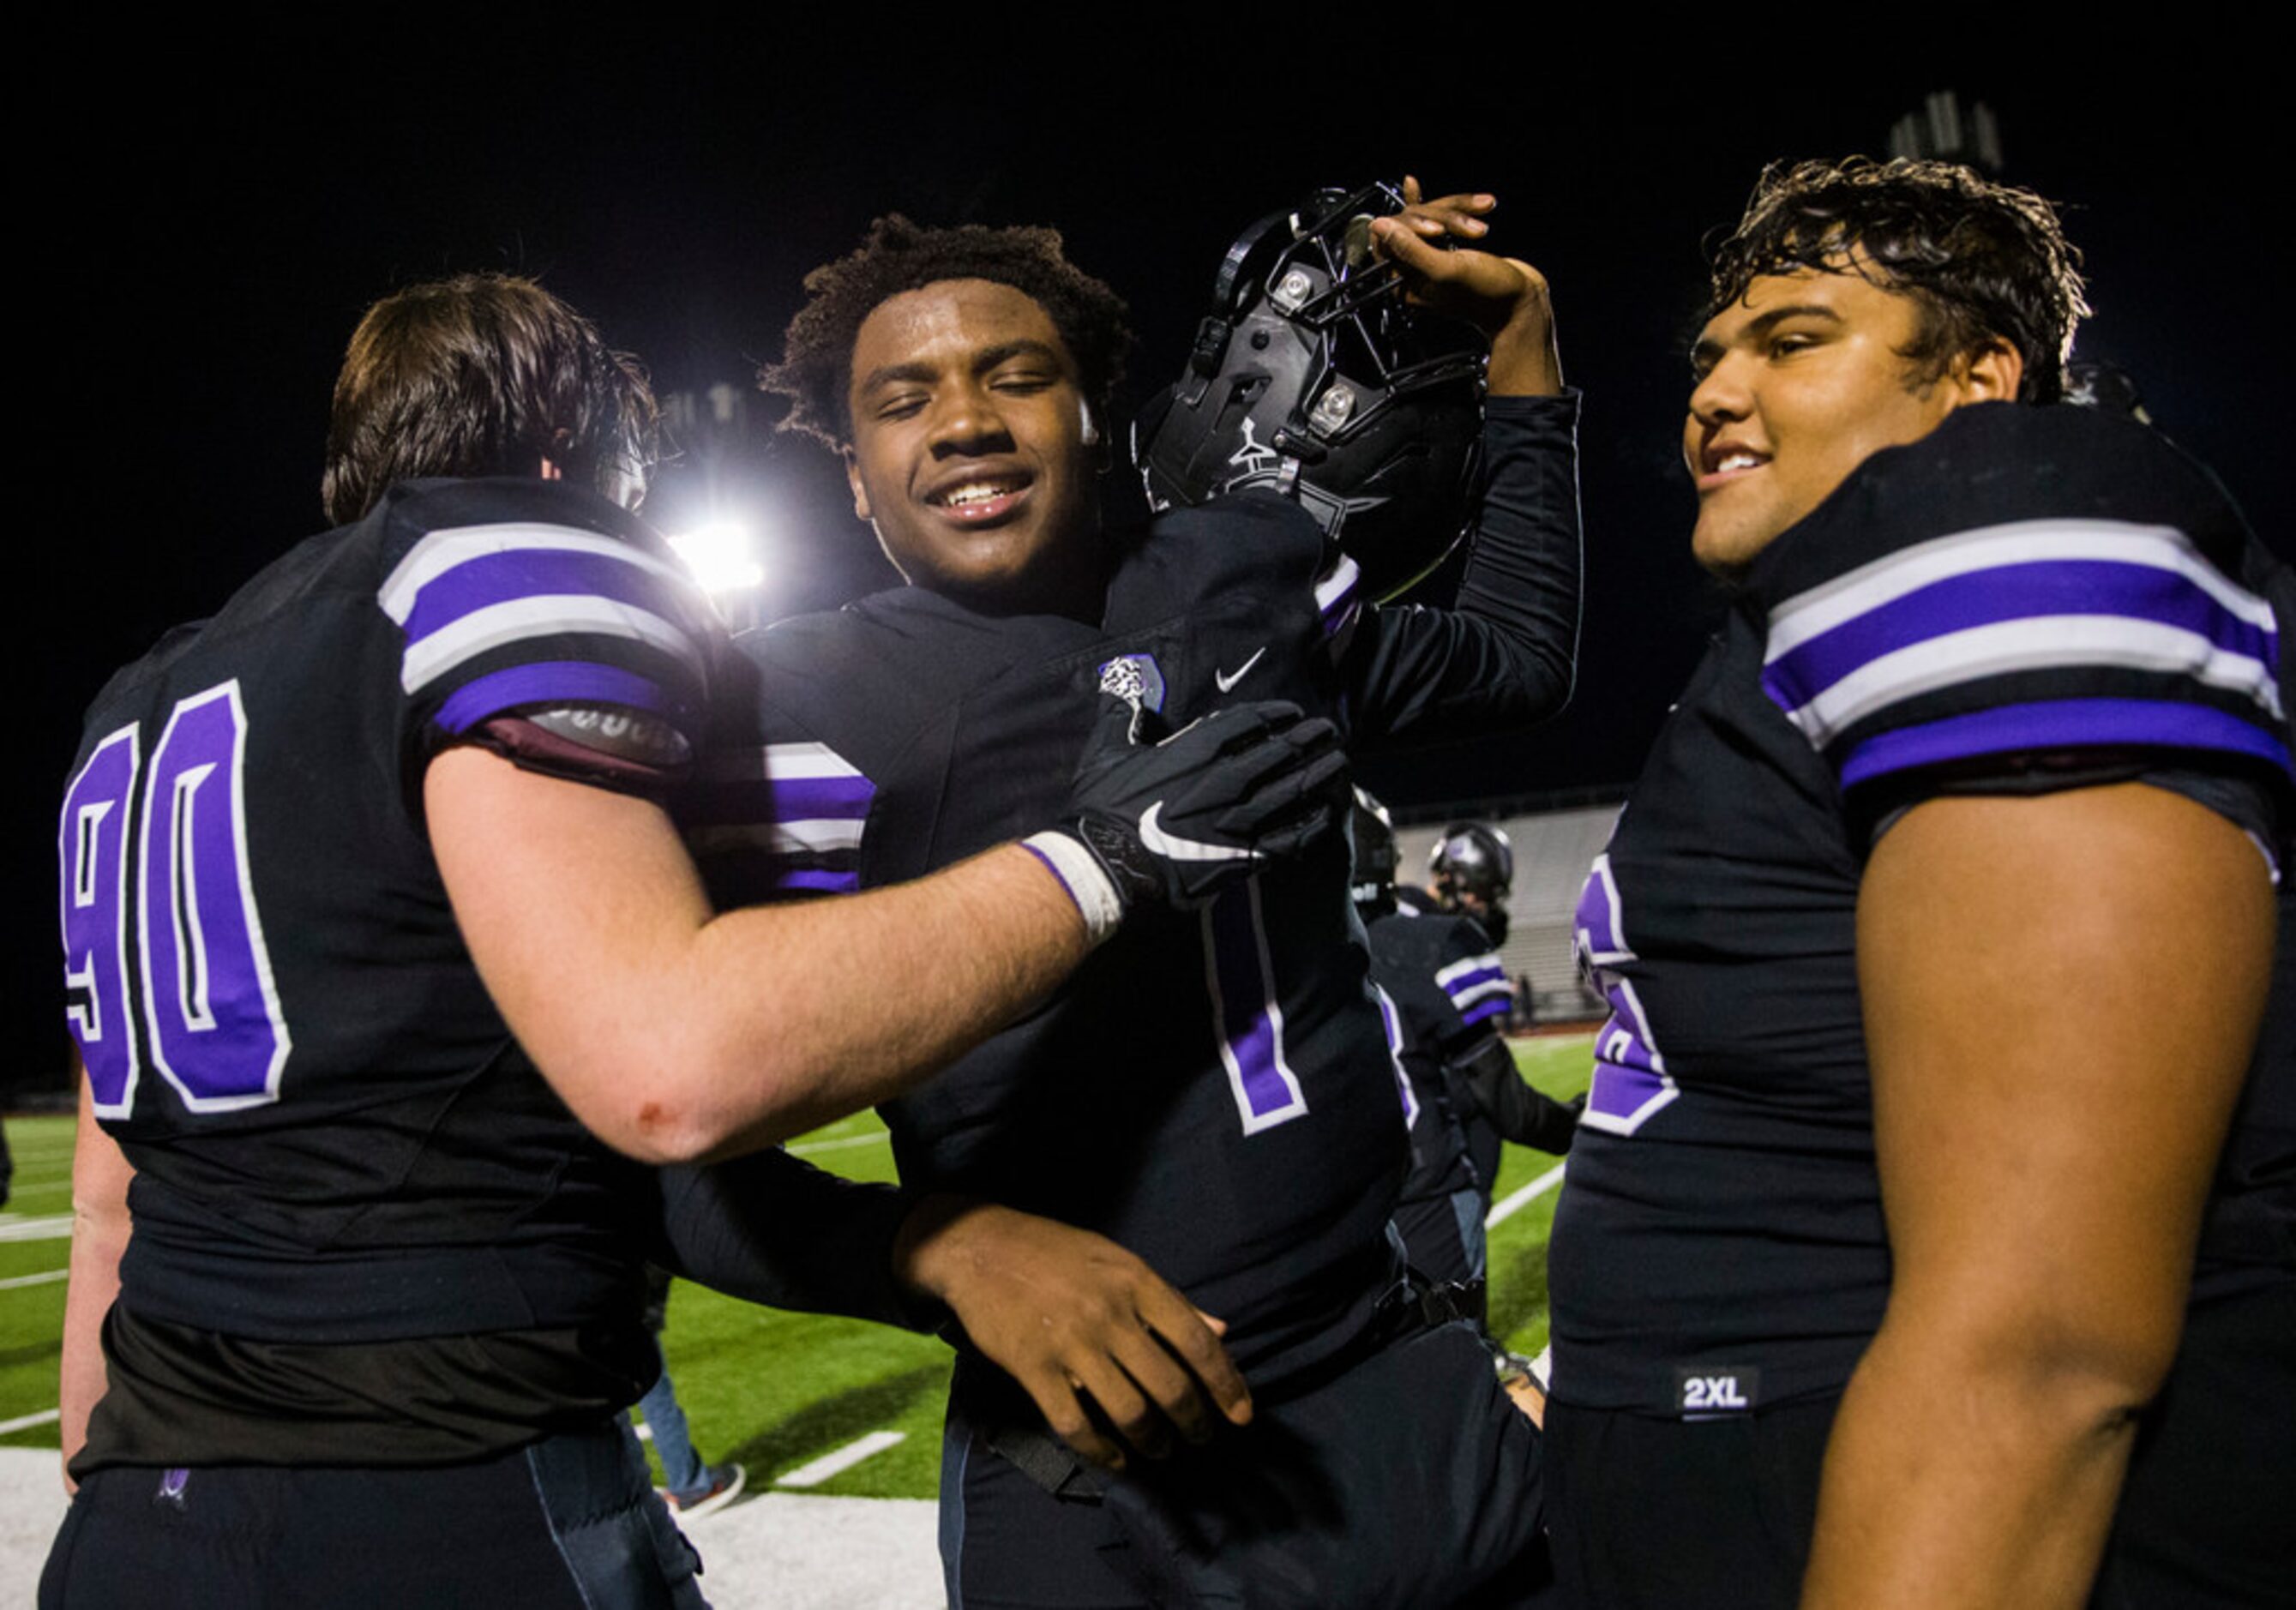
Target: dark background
{"points": [[208, 218]]}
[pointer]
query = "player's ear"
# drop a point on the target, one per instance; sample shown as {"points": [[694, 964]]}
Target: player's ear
{"points": [[860, 492], [1991, 374], [1089, 433]]}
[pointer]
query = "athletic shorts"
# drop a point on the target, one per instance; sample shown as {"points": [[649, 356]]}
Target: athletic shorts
{"points": [[1408, 1480], [570, 1521]]}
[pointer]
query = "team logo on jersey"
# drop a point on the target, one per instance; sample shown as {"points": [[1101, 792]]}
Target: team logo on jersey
{"points": [[1704, 1391], [1136, 679]]}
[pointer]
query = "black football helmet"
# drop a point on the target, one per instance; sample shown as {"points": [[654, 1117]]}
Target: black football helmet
{"points": [[2091, 382], [1313, 378], [1472, 869], [1375, 857]]}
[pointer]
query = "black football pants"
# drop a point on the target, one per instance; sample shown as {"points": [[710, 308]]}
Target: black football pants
{"points": [[569, 1522]]}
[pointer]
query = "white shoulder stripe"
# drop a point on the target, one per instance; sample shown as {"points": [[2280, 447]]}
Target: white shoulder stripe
{"points": [[442, 550], [779, 763], [1474, 964], [809, 759], [2035, 644], [1335, 583], [429, 658], [822, 836], [1810, 614]]}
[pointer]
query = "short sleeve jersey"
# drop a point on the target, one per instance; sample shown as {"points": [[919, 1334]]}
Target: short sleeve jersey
{"points": [[2029, 598], [336, 1139]]}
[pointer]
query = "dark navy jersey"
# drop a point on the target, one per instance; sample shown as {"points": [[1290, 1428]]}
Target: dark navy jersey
{"points": [[1409, 952], [1464, 994], [336, 1139], [1213, 1089], [2029, 598]]}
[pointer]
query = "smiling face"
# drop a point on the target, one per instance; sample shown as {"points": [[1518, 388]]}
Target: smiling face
{"points": [[1799, 382], [971, 451]]}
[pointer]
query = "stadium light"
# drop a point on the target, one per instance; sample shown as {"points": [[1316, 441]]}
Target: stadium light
{"points": [[722, 557]]}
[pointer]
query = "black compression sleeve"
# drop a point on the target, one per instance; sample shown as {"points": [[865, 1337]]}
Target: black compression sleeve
{"points": [[1505, 655], [770, 1229], [1519, 1112]]}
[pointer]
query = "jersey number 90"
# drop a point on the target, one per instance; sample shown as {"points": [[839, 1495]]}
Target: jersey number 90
{"points": [[174, 903]]}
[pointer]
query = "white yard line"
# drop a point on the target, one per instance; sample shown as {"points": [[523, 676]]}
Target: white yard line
{"points": [[42, 1278], [830, 1464], [53, 1227], [1503, 1212], [26, 1421], [805, 1147]]}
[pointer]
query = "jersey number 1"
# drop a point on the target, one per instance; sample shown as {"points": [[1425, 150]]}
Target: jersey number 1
{"points": [[178, 903], [1246, 1016]]}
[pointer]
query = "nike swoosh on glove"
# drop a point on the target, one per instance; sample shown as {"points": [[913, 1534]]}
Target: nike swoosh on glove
{"points": [[1176, 821]]}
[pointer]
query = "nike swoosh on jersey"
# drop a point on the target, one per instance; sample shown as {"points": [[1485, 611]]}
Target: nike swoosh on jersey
{"points": [[1228, 679], [1175, 849]]}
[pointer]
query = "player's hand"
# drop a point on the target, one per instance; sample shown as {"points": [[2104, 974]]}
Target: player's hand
{"points": [[1177, 820], [1117, 1361], [1503, 297], [1523, 1380]]}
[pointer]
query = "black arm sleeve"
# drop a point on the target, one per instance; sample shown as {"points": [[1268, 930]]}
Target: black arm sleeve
{"points": [[1518, 1110], [1503, 657], [770, 1229]]}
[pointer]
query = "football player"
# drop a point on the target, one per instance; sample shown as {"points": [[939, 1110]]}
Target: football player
{"points": [[1214, 1091], [1437, 969], [1934, 1195], [375, 927], [1471, 874]]}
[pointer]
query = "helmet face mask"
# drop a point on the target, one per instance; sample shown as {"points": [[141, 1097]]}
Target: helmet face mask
{"points": [[1375, 857], [1313, 378]]}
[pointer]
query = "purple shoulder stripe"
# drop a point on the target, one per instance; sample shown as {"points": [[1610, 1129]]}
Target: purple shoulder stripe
{"points": [[818, 881], [559, 682], [2061, 724], [2035, 592], [2036, 596]]}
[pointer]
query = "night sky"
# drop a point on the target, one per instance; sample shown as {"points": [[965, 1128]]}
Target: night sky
{"points": [[203, 229]]}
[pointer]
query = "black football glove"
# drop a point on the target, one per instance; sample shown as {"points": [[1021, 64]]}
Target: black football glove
{"points": [[1177, 820]]}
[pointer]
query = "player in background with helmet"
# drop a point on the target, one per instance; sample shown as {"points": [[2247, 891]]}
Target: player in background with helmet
{"points": [[1470, 874], [1931, 1234], [377, 935], [1216, 1095], [1433, 965]]}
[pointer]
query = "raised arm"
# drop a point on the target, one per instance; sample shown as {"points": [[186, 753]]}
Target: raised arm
{"points": [[2061, 996], [1505, 655]]}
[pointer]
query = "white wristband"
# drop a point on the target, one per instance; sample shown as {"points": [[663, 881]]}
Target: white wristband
{"points": [[1081, 874]]}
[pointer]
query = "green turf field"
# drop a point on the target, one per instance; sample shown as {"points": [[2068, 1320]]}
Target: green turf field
{"points": [[775, 1390]]}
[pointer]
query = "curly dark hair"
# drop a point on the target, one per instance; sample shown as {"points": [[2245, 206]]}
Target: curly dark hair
{"points": [[816, 369], [483, 375], [1984, 260]]}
